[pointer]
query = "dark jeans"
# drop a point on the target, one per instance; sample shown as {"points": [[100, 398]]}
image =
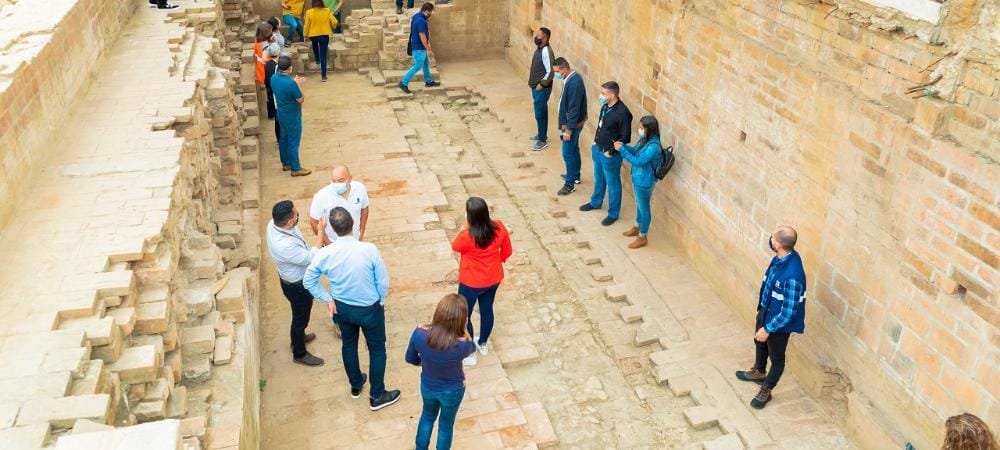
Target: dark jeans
{"points": [[607, 176], [399, 3], [773, 348], [571, 156], [271, 111], [371, 321], [447, 404], [289, 140], [541, 102], [485, 298], [301, 302], [320, 48]]}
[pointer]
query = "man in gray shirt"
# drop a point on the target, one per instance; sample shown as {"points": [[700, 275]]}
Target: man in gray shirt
{"points": [[291, 256]]}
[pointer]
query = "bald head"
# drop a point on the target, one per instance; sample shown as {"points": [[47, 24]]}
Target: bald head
{"points": [[786, 236], [340, 174]]}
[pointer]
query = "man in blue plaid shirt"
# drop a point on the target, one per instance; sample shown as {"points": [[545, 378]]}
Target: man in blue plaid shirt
{"points": [[781, 311]]}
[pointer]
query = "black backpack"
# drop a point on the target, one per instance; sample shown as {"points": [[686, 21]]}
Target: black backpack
{"points": [[666, 162]]}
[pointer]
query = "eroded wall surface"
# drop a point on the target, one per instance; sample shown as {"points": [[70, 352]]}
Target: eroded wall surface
{"points": [[813, 114]]}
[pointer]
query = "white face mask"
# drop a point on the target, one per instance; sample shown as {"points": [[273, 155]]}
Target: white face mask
{"points": [[641, 132]]}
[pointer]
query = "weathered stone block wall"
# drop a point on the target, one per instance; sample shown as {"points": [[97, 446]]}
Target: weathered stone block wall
{"points": [[469, 29], [41, 76], [801, 113]]}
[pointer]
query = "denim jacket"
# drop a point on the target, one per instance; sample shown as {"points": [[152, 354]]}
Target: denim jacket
{"points": [[644, 161]]}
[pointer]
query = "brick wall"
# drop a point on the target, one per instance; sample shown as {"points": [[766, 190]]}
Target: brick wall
{"points": [[469, 29], [790, 113], [48, 56]]}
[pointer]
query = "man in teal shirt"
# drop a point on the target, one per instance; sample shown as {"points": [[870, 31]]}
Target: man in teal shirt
{"points": [[288, 100]]}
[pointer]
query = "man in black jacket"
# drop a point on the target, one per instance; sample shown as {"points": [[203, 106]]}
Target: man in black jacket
{"points": [[540, 80], [614, 124], [572, 116]]}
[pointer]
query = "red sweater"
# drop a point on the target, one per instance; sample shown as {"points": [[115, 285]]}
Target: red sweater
{"points": [[482, 267]]}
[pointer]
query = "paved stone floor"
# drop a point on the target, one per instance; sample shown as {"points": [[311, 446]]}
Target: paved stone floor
{"points": [[595, 346]]}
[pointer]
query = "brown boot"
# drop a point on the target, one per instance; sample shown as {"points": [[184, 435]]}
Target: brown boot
{"points": [[638, 242], [286, 168], [631, 232], [301, 173]]}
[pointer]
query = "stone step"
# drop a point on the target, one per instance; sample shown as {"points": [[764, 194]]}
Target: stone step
{"points": [[630, 313], [735, 415], [517, 356], [159, 435], [137, 364], [647, 333], [200, 339], [725, 442], [48, 385], [26, 437], [395, 76], [701, 417], [63, 412], [616, 293], [151, 318]]}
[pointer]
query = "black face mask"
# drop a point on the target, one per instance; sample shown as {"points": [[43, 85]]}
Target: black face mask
{"points": [[771, 245], [538, 41]]}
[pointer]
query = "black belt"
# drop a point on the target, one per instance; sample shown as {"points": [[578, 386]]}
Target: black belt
{"points": [[289, 283]]}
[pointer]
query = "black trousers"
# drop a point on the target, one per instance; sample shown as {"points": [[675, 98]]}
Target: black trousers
{"points": [[399, 3], [773, 348], [301, 302]]}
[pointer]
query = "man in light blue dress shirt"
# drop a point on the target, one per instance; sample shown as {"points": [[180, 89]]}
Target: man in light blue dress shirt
{"points": [[359, 283]]}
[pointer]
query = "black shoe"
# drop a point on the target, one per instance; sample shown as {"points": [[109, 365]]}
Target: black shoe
{"points": [[153, 2], [563, 176], [404, 88], [432, 83], [399, 10], [309, 360], [567, 189], [760, 400], [609, 220], [387, 398], [166, 5], [753, 375], [586, 207], [356, 391]]}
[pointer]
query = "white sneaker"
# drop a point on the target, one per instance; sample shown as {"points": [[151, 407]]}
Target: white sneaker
{"points": [[469, 360], [483, 348]]}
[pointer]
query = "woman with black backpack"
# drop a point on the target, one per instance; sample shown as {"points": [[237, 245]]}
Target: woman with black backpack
{"points": [[644, 157]]}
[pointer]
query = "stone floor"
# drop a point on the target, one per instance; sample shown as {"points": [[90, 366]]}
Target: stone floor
{"points": [[595, 345]]}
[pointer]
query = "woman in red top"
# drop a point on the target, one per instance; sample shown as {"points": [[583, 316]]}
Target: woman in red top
{"points": [[264, 30], [484, 245]]}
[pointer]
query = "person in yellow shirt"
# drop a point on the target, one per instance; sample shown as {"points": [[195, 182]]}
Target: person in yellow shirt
{"points": [[319, 26], [291, 13]]}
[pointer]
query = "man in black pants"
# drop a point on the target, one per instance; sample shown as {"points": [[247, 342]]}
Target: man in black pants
{"points": [[291, 256], [781, 311]]}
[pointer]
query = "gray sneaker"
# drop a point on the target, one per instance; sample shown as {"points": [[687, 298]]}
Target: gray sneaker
{"points": [[539, 145]]}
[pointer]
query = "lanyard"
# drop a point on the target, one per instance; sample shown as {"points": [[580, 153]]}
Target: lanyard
{"points": [[604, 111]]}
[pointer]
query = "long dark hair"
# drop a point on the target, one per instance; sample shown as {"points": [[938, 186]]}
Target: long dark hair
{"points": [[264, 31], [481, 227], [652, 127], [318, 4], [448, 324]]}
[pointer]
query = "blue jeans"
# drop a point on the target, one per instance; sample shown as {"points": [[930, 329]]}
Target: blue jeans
{"points": [[643, 216], [420, 60], [571, 156], [485, 298], [541, 101], [371, 321], [294, 24], [399, 3], [288, 142], [447, 404], [607, 176], [321, 48]]}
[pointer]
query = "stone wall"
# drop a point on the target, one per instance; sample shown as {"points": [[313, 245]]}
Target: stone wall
{"points": [[469, 29], [813, 115], [41, 76]]}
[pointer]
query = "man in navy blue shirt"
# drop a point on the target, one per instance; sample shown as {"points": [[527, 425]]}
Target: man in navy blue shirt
{"points": [[572, 116], [781, 311], [420, 43]]}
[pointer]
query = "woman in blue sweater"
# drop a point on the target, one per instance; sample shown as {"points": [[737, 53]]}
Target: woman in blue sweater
{"points": [[440, 348], [644, 158]]}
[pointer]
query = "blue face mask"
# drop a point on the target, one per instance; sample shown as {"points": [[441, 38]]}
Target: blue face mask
{"points": [[602, 99], [559, 76], [339, 188]]}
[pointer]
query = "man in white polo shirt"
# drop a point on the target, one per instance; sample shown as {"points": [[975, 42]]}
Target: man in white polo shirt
{"points": [[342, 191]]}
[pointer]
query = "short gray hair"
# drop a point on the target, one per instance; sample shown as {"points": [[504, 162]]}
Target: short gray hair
{"points": [[273, 49]]}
